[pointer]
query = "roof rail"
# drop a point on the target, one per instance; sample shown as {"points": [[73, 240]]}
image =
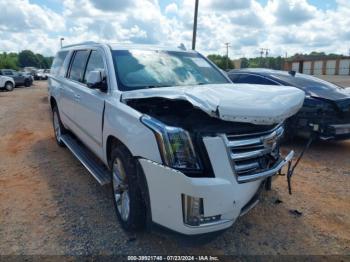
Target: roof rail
{"points": [[82, 43]]}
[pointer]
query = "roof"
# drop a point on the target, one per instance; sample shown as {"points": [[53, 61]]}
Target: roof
{"points": [[260, 71], [127, 46]]}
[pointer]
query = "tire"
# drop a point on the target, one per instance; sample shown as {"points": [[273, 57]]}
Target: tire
{"points": [[27, 83], [9, 86], [127, 195], [58, 127]]}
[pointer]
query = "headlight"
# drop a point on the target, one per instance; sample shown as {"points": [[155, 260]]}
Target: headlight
{"points": [[175, 144]]}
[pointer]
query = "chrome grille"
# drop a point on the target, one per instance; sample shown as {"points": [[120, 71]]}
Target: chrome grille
{"points": [[253, 153]]}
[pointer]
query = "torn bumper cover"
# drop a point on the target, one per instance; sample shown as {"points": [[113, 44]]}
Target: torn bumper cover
{"points": [[270, 172]]}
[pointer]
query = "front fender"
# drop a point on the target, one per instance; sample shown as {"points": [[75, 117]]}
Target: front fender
{"points": [[123, 123]]}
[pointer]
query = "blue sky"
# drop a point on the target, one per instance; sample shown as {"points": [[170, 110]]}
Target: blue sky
{"points": [[283, 26]]}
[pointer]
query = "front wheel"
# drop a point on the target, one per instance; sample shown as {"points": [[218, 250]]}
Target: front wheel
{"points": [[127, 196], [9, 86]]}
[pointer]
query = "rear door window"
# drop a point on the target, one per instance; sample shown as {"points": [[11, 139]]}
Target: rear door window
{"points": [[78, 64]]}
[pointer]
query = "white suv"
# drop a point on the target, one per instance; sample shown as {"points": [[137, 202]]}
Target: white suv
{"points": [[183, 147], [7, 83]]}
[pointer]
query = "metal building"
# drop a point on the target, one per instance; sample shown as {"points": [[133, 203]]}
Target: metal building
{"points": [[319, 65]]}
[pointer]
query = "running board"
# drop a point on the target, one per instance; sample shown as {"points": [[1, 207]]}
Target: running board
{"points": [[89, 161]]}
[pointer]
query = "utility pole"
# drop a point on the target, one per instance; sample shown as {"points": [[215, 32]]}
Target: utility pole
{"points": [[262, 52], [227, 46], [267, 52], [261, 55], [61, 40], [195, 25]]}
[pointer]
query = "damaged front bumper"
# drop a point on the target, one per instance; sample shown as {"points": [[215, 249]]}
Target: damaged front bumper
{"points": [[201, 205], [335, 132]]}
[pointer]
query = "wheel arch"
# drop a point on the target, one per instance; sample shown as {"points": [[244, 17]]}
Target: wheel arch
{"points": [[112, 142], [10, 81], [53, 102]]}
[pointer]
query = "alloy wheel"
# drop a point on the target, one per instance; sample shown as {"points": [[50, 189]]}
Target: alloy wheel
{"points": [[120, 189]]}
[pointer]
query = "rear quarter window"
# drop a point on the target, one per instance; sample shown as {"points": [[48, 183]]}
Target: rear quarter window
{"points": [[57, 65]]}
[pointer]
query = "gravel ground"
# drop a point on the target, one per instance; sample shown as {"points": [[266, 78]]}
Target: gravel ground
{"points": [[50, 205]]}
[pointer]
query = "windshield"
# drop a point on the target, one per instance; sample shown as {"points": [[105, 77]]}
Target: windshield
{"points": [[137, 69]]}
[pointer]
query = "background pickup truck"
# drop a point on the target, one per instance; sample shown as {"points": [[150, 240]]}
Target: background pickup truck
{"points": [[181, 145]]}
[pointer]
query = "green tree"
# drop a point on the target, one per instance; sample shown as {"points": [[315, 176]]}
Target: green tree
{"points": [[27, 58], [221, 61], [40, 61], [8, 61], [244, 62], [48, 61]]}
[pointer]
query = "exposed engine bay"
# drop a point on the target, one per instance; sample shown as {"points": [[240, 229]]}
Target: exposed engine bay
{"points": [[181, 113]]}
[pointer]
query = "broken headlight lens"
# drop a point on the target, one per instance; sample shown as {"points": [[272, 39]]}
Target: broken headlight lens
{"points": [[174, 143]]}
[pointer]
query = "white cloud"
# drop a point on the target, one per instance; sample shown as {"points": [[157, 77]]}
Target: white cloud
{"points": [[110, 6], [289, 12], [171, 8], [226, 5], [281, 25], [20, 16]]}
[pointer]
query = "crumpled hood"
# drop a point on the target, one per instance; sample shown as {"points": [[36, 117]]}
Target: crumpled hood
{"points": [[233, 102]]}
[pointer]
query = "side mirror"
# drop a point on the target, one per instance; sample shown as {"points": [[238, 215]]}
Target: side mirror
{"points": [[96, 80]]}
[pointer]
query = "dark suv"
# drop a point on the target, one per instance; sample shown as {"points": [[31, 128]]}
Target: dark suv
{"points": [[21, 79], [326, 106]]}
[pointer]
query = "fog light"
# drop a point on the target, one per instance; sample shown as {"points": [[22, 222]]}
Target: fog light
{"points": [[193, 211]]}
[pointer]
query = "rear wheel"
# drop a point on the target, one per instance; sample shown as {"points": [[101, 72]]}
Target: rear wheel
{"points": [[127, 196], [58, 128], [9, 86]]}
